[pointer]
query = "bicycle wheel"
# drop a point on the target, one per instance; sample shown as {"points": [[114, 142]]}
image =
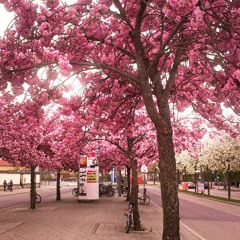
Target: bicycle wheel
{"points": [[145, 200], [110, 192], [74, 192], [128, 223], [38, 198]]}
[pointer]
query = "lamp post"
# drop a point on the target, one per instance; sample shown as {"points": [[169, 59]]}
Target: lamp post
{"points": [[228, 180], [195, 177], [218, 181], [208, 185], [144, 170]]}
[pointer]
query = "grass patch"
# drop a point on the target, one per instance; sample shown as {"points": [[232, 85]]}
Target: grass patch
{"points": [[217, 198]]}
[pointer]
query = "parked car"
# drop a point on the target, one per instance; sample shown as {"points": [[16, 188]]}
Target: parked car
{"points": [[191, 185], [200, 184]]}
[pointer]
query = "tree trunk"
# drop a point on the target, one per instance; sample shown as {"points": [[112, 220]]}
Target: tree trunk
{"points": [[229, 182], [169, 189], [58, 198], [119, 183], [128, 182], [33, 189], [154, 176], [208, 182], [134, 195], [225, 184]]}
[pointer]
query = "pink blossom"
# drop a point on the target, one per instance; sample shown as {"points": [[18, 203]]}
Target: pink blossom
{"points": [[52, 3], [193, 55], [236, 75]]}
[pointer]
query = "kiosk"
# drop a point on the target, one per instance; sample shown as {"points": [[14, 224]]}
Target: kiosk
{"points": [[88, 179]]}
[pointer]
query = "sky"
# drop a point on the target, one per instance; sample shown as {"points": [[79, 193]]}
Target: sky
{"points": [[6, 18]]}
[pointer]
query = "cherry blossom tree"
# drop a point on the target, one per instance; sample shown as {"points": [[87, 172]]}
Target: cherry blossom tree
{"points": [[222, 155], [221, 151], [20, 138], [186, 163], [66, 135], [124, 133], [31, 138], [219, 155], [136, 145], [176, 54], [216, 153]]}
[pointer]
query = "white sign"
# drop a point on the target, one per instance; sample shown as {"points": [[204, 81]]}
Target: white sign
{"points": [[144, 168]]}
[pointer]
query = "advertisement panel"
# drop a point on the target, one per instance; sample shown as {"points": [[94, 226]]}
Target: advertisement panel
{"points": [[201, 187], [88, 177]]}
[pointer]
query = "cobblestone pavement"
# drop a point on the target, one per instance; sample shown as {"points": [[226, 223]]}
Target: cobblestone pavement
{"points": [[69, 220]]}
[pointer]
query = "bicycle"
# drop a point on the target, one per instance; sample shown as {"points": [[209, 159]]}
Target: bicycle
{"points": [[106, 190], [37, 197], [129, 216], [75, 192], [144, 199]]}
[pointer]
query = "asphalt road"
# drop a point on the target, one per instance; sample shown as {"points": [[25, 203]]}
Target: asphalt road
{"points": [[211, 220], [24, 197], [235, 194]]}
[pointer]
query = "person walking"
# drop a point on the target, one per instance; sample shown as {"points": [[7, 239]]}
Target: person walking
{"points": [[5, 185], [21, 184], [10, 185]]}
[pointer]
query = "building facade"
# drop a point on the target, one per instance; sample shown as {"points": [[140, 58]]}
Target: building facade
{"points": [[20, 176]]}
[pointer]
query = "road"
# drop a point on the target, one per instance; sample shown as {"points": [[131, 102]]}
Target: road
{"points": [[235, 193], [22, 196], [211, 220]]}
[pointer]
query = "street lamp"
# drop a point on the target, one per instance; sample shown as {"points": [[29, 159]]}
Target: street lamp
{"points": [[228, 180], [218, 181], [195, 178]]}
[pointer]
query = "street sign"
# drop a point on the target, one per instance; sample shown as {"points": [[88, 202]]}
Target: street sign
{"points": [[200, 187], [144, 168]]}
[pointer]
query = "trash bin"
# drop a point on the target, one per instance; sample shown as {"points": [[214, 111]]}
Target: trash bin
{"points": [[184, 186]]}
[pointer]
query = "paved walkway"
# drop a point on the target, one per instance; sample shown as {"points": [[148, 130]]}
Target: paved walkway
{"points": [[69, 220]]}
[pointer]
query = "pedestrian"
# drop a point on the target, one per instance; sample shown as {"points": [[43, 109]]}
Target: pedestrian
{"points": [[5, 185], [122, 187], [10, 185], [21, 184]]}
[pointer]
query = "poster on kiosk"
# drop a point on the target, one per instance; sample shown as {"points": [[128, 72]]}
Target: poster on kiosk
{"points": [[88, 179]]}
